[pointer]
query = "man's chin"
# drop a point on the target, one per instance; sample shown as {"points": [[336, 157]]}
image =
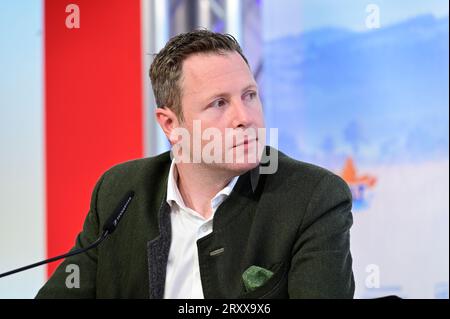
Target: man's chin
{"points": [[237, 168], [244, 160]]}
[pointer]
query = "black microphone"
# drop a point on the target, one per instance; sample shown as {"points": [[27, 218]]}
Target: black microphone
{"points": [[108, 228]]}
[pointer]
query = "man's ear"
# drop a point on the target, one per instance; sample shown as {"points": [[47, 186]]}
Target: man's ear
{"points": [[168, 121]]}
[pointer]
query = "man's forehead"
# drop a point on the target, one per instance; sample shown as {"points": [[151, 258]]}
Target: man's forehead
{"points": [[213, 71]]}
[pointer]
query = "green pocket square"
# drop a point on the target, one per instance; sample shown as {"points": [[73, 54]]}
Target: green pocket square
{"points": [[255, 277]]}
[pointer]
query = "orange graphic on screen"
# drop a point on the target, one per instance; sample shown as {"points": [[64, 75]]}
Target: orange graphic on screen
{"points": [[359, 184]]}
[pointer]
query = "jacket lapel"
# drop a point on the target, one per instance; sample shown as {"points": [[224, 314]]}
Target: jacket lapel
{"points": [[158, 247], [158, 254]]}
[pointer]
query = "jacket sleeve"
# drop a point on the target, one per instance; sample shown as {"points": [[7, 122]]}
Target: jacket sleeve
{"points": [[62, 284], [321, 264]]}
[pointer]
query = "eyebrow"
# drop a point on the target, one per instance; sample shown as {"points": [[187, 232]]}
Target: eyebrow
{"points": [[215, 95]]}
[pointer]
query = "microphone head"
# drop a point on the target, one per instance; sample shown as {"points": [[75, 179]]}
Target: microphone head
{"points": [[113, 220]]}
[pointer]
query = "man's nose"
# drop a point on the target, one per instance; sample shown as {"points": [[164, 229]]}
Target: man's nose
{"points": [[241, 116]]}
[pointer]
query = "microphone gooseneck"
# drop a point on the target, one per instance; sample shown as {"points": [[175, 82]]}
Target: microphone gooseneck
{"points": [[108, 228]]}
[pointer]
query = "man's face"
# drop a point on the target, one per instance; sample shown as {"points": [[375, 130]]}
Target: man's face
{"points": [[220, 93]]}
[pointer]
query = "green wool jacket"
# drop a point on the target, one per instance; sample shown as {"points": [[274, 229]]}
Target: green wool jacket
{"points": [[294, 223]]}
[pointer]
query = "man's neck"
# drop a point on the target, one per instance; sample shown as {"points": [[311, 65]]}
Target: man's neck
{"points": [[198, 185]]}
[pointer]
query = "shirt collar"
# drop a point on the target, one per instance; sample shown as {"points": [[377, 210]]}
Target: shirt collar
{"points": [[174, 195]]}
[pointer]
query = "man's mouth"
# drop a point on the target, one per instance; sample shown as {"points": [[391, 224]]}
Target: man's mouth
{"points": [[246, 142]]}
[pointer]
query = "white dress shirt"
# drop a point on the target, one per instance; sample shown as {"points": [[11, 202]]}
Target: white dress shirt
{"points": [[183, 271]]}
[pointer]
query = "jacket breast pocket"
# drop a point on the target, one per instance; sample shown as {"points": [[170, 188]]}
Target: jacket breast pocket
{"points": [[274, 288]]}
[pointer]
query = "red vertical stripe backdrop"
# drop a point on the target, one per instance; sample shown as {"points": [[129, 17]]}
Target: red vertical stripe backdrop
{"points": [[93, 106]]}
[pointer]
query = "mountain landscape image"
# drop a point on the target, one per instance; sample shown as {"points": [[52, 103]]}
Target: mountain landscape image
{"points": [[385, 93]]}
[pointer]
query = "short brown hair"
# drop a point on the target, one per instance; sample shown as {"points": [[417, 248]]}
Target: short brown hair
{"points": [[166, 69]]}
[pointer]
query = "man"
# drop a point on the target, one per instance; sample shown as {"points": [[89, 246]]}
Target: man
{"points": [[202, 228]]}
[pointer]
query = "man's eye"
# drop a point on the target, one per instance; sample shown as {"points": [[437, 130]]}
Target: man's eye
{"points": [[250, 95], [218, 103]]}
